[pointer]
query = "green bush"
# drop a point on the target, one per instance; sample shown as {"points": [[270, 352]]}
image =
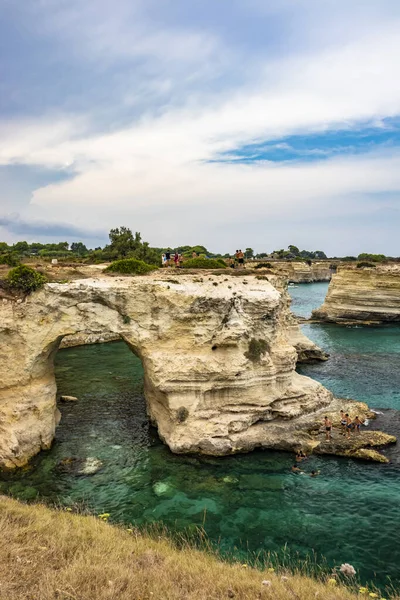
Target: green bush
{"points": [[263, 265], [11, 259], [130, 266], [204, 263], [25, 279], [364, 263]]}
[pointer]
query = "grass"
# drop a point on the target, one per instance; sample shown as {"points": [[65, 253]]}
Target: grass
{"points": [[49, 554]]}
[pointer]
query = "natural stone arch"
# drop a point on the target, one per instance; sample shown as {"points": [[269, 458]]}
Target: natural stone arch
{"points": [[203, 390]]}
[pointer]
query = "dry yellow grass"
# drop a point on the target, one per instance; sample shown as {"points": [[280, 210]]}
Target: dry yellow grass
{"points": [[50, 554]]}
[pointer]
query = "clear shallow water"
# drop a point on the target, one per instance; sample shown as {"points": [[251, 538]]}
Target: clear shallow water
{"points": [[351, 513]]}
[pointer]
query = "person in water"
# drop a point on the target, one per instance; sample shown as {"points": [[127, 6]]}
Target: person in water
{"points": [[314, 473], [300, 456], [296, 469], [349, 425], [328, 428], [343, 422], [357, 422]]}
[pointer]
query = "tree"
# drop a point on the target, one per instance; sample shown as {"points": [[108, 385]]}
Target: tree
{"points": [[79, 248], [122, 242], [320, 254], [3, 247], [294, 250], [21, 247], [249, 252]]}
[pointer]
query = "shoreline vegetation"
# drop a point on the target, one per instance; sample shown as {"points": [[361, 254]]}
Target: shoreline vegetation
{"points": [[50, 554], [123, 243]]}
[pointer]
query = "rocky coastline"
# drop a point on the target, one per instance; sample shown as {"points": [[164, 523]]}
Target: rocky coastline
{"points": [[368, 295], [219, 356]]}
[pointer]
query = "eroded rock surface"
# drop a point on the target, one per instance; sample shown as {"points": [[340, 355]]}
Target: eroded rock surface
{"points": [[298, 271], [368, 295], [218, 358]]}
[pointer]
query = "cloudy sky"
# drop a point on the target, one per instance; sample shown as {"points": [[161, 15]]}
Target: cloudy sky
{"points": [[219, 122]]}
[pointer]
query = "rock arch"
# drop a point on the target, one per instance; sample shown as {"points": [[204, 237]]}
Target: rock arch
{"points": [[204, 391]]}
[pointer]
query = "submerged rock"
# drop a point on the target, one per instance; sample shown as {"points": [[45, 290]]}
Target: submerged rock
{"points": [[68, 399], [80, 466]]}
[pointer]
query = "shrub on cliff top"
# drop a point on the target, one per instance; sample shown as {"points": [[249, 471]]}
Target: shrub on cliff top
{"points": [[130, 266], [25, 279], [364, 263], [204, 263], [11, 259]]}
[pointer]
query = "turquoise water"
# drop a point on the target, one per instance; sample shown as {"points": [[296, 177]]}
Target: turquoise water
{"points": [[350, 513]]}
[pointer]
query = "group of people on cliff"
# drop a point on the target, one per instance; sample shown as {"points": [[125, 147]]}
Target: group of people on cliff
{"points": [[346, 423], [176, 259]]}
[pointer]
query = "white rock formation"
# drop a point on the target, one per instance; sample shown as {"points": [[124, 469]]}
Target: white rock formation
{"points": [[369, 295], [298, 271], [219, 367]]}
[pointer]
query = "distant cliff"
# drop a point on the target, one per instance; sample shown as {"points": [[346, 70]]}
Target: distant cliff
{"points": [[368, 295], [299, 272]]}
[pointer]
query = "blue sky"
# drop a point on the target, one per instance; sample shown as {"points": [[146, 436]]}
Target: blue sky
{"points": [[231, 123]]}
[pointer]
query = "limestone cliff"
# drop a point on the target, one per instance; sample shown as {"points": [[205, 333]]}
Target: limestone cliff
{"points": [[297, 271], [219, 366], [368, 295]]}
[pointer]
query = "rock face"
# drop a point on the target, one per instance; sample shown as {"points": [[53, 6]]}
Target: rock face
{"points": [[368, 295], [88, 338], [299, 272], [219, 365]]}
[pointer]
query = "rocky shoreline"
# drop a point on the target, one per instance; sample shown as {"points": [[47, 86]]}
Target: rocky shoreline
{"points": [[367, 296], [219, 355]]}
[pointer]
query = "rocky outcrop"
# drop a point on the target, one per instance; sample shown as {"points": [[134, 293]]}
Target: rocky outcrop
{"points": [[307, 351], [366, 295], [298, 271], [219, 365], [87, 338]]}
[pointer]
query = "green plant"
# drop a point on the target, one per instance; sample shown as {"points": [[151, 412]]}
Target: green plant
{"points": [[204, 263], [130, 266], [126, 319], [261, 278], [25, 279], [264, 265], [182, 414], [11, 259], [256, 350], [365, 263]]}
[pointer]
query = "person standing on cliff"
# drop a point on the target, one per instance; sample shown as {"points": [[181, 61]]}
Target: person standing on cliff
{"points": [[240, 256], [357, 422], [349, 425], [343, 422], [328, 428]]}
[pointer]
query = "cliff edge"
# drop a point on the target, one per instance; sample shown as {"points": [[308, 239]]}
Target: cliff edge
{"points": [[366, 295]]}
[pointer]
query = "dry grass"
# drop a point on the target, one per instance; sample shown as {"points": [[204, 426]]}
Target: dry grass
{"points": [[55, 555]]}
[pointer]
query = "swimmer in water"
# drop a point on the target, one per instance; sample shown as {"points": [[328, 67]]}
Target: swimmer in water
{"points": [[296, 469], [314, 473]]}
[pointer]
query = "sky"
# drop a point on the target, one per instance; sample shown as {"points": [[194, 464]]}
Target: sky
{"points": [[226, 123]]}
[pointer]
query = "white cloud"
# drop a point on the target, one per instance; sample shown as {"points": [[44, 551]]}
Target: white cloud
{"points": [[160, 158]]}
